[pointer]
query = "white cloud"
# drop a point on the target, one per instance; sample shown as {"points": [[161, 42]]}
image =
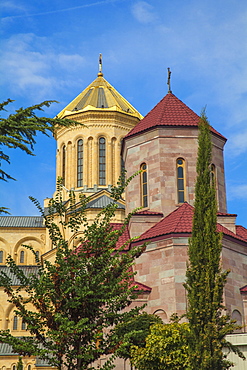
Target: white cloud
{"points": [[238, 143], [11, 6], [143, 12], [28, 71], [237, 191]]}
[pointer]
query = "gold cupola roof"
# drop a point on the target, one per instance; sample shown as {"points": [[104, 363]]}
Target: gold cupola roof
{"points": [[99, 96]]}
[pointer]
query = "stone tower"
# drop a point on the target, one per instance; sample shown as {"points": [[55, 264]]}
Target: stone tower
{"points": [[164, 145], [88, 156]]}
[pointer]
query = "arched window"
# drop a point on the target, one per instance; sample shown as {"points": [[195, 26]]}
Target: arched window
{"points": [[102, 161], [64, 163], [37, 257], [15, 323], [22, 257], [236, 315], [122, 167], [181, 180], [79, 163], [29, 367], [144, 185], [23, 325], [1, 256], [13, 367], [162, 314], [213, 174]]}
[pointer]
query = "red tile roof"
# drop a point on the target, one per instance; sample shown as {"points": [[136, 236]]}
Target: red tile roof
{"points": [[243, 289], [124, 237], [226, 214], [180, 222], [241, 231], [170, 111], [140, 286]]}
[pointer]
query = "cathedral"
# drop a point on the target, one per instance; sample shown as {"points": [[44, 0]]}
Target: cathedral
{"points": [[89, 158]]}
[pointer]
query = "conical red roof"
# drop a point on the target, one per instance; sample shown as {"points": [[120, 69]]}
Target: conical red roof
{"points": [[170, 111]]}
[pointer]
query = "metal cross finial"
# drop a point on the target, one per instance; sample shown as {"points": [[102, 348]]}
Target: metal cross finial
{"points": [[169, 80], [100, 65]]}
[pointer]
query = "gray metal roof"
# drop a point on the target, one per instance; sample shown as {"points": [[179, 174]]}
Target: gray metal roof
{"points": [[6, 350], [26, 269], [102, 202], [40, 363], [21, 221]]}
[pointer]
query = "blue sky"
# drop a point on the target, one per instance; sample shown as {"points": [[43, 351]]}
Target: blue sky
{"points": [[50, 52]]}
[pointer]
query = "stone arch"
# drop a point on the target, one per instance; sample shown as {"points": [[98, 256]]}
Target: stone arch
{"points": [[74, 241], [162, 314], [38, 245], [103, 134], [237, 316], [2, 317], [5, 247], [120, 140], [78, 137], [9, 314]]}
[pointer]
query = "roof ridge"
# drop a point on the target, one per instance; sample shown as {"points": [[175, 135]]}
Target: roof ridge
{"points": [[167, 217], [170, 111], [183, 209]]}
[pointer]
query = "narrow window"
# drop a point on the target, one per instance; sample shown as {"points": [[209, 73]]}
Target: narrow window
{"points": [[79, 163], [123, 173], [102, 161], [212, 172], [36, 256], [29, 367], [122, 165], [22, 257], [1, 256], [15, 323], [14, 367], [23, 325], [180, 180], [144, 185], [63, 163]]}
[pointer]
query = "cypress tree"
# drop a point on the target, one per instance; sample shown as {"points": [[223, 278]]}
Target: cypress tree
{"points": [[205, 279]]}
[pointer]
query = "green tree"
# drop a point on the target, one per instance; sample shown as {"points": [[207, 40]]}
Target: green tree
{"points": [[20, 129], [205, 279], [133, 333], [20, 364], [166, 348], [80, 297]]}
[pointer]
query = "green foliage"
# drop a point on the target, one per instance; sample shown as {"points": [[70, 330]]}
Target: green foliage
{"points": [[20, 129], [20, 364], [205, 279], [80, 298], [166, 348], [133, 332]]}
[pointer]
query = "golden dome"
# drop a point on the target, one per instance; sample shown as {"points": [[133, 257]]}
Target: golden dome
{"points": [[99, 96]]}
